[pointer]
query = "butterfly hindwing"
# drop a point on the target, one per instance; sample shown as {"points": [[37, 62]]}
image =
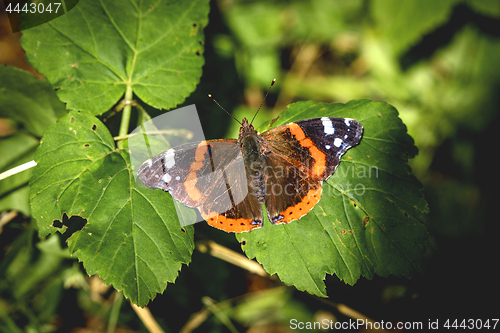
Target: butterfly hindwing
{"points": [[290, 194], [244, 216], [208, 175], [298, 157]]}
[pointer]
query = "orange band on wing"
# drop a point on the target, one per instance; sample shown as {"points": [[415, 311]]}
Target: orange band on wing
{"points": [[191, 179], [296, 131], [196, 166], [319, 157], [302, 208], [230, 225], [190, 186], [201, 150]]}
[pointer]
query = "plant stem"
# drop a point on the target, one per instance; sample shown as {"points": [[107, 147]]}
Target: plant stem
{"points": [[147, 319], [115, 312], [126, 113], [17, 169]]}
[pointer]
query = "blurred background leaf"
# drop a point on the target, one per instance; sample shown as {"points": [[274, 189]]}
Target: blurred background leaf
{"points": [[27, 107]]}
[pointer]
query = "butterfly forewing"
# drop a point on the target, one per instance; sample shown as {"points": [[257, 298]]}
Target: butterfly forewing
{"points": [[193, 171]]}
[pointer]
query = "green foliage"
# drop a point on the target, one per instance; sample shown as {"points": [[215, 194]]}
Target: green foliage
{"points": [[369, 221], [80, 173], [130, 239], [28, 101], [369, 218], [405, 25], [31, 105], [104, 48], [104, 51]]}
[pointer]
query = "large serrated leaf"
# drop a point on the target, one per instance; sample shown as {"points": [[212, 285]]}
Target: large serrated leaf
{"points": [[129, 238], [98, 50], [369, 218]]}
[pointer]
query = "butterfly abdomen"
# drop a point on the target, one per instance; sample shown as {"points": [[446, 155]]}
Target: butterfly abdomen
{"points": [[250, 148]]}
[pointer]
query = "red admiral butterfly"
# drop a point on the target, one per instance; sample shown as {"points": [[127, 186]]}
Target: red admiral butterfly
{"points": [[228, 180]]}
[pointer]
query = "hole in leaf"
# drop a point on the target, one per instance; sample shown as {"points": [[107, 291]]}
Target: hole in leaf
{"points": [[183, 230], [71, 224], [243, 242], [94, 127], [57, 224], [366, 219], [86, 145]]}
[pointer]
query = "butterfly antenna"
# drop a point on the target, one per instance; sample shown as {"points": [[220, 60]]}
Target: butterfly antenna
{"points": [[268, 90], [210, 95]]}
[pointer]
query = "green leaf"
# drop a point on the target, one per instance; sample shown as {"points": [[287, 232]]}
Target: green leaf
{"points": [[369, 219], [100, 49], [28, 101], [130, 238], [405, 25]]}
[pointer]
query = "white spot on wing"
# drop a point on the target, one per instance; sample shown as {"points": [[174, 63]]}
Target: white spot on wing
{"points": [[347, 122], [328, 146], [150, 163], [177, 178], [166, 178], [337, 142], [327, 126], [169, 158]]}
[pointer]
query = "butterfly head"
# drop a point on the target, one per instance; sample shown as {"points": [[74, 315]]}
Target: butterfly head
{"points": [[246, 128]]}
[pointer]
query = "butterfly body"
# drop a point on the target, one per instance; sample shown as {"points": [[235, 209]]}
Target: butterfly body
{"points": [[253, 159], [228, 180]]}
